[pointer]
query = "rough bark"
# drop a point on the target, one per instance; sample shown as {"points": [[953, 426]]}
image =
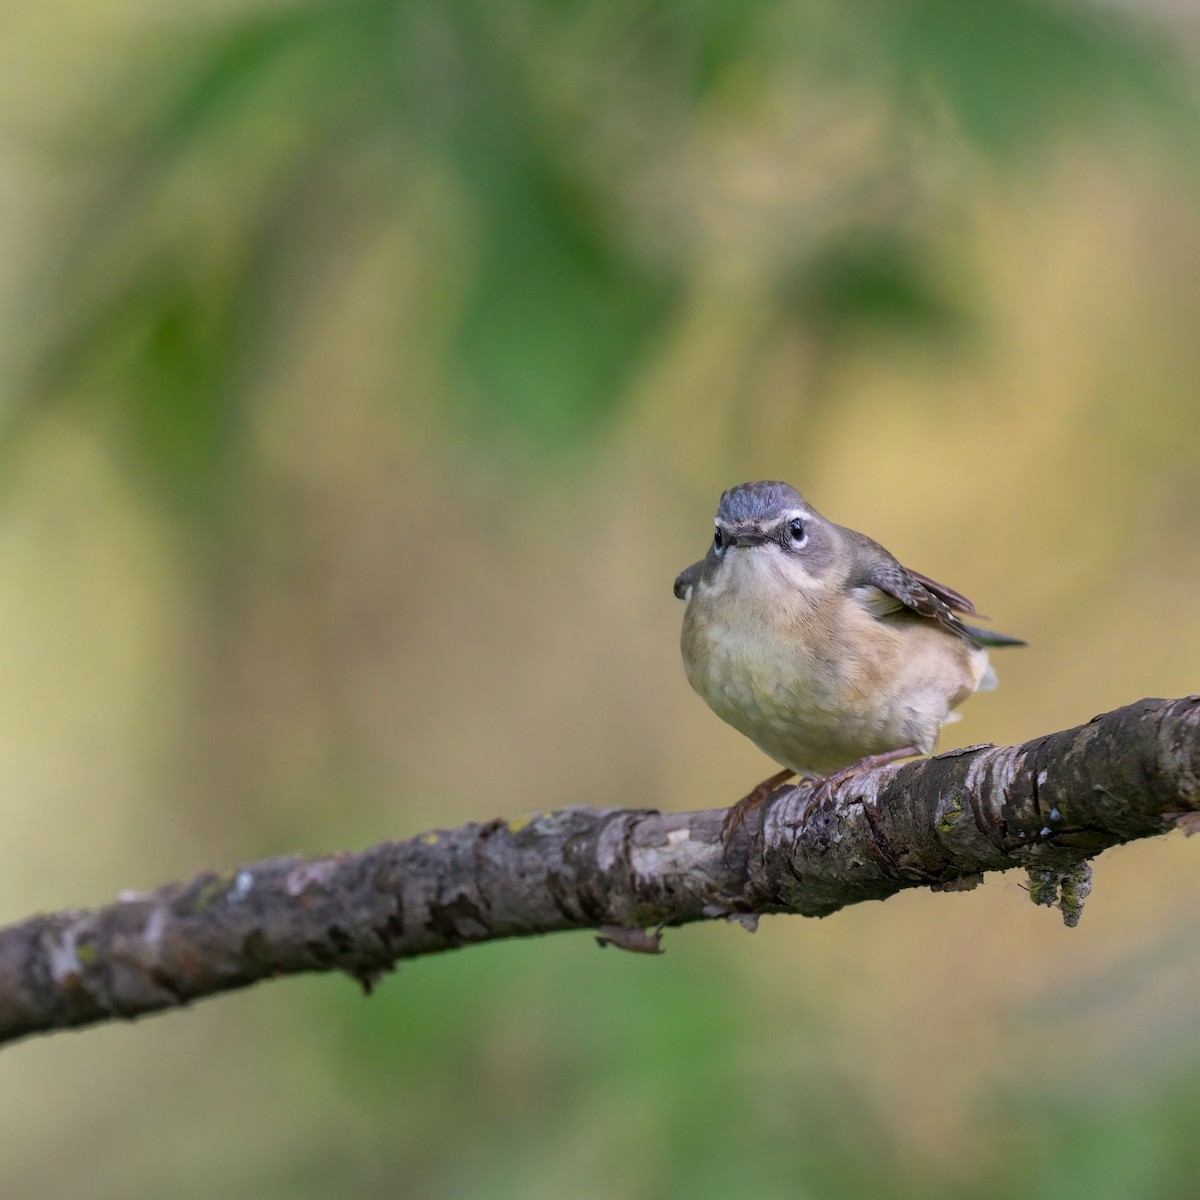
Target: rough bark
{"points": [[1047, 806]]}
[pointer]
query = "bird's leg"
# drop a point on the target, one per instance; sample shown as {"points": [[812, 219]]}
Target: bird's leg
{"points": [[737, 812], [821, 788], [821, 795]]}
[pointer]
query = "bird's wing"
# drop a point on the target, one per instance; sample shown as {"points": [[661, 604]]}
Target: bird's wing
{"points": [[887, 586], [953, 600]]}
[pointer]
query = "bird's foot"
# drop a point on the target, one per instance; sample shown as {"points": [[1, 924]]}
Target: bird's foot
{"points": [[820, 790], [820, 797], [752, 800]]}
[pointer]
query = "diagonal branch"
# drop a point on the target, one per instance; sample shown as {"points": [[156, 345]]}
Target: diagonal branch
{"points": [[1047, 806]]}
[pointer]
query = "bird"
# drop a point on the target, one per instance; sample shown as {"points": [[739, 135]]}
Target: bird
{"points": [[820, 646]]}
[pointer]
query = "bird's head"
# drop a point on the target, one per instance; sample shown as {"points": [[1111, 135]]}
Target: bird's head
{"points": [[767, 536]]}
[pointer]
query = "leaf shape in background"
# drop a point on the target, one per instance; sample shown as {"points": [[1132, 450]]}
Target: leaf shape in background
{"points": [[159, 303], [874, 281], [557, 307], [697, 42], [177, 413], [1012, 73], [558, 319]]}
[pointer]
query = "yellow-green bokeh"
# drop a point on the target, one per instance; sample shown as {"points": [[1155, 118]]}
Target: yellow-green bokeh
{"points": [[369, 369]]}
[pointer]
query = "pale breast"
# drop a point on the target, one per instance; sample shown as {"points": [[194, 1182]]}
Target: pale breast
{"points": [[817, 689]]}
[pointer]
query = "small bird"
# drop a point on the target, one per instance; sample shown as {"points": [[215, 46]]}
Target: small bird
{"points": [[819, 646]]}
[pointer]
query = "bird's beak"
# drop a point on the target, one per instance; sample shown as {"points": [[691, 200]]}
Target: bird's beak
{"points": [[747, 535]]}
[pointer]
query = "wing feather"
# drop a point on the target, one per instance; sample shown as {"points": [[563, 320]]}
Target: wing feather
{"points": [[948, 596], [886, 586]]}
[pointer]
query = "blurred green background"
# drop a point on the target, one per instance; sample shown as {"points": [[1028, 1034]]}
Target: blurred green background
{"points": [[368, 369]]}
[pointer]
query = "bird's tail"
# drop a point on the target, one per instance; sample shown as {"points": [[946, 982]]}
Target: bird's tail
{"points": [[989, 637]]}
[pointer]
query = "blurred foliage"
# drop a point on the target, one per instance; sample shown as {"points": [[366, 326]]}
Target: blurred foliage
{"points": [[874, 279], [1013, 74], [332, 282], [630, 1058], [545, 131]]}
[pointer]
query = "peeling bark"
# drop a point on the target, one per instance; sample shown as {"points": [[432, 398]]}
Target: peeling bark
{"points": [[1047, 806]]}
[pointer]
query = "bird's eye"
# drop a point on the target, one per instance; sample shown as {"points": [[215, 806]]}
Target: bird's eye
{"points": [[718, 539], [796, 529]]}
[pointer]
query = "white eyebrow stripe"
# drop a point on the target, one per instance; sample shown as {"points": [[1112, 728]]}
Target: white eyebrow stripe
{"points": [[789, 514]]}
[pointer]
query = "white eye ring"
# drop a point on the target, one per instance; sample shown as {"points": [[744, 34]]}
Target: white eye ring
{"points": [[798, 533], [718, 540]]}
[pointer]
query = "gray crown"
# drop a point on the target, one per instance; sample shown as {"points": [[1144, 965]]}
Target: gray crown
{"points": [[760, 501]]}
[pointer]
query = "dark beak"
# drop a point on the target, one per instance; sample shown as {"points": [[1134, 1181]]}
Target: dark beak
{"points": [[747, 535]]}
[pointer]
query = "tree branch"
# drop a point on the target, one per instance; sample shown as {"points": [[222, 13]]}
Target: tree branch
{"points": [[1047, 806]]}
